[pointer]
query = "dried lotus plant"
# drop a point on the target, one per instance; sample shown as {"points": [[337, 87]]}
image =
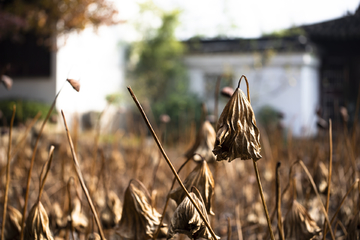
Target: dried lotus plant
{"points": [[79, 221], [202, 179], [37, 223], [321, 178], [139, 219], [94, 236], [237, 135], [186, 219], [204, 143], [353, 227], [298, 225], [57, 218], [13, 223], [111, 215]]}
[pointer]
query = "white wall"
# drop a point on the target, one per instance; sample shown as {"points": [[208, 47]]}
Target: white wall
{"points": [[38, 89], [287, 82]]}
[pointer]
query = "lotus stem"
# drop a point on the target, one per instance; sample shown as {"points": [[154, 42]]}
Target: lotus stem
{"points": [[263, 199], [278, 203], [47, 165], [169, 162], [81, 180], [238, 222], [7, 174], [329, 175]]}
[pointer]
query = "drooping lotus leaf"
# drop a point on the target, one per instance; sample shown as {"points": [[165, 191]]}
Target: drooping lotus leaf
{"points": [[237, 135], [37, 224], [12, 224], [204, 143], [187, 220], [139, 219], [298, 224], [201, 178]]}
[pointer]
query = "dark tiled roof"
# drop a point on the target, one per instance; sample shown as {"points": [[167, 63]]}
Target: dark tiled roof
{"points": [[344, 28], [296, 43]]}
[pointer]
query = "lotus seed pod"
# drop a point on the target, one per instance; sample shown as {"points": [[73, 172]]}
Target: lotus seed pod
{"points": [[201, 178], [187, 220], [237, 135], [37, 224], [298, 225], [139, 219], [204, 143]]}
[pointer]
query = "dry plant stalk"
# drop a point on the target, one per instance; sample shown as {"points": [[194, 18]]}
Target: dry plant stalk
{"points": [[298, 224], [278, 203], [7, 174], [80, 177], [37, 223], [168, 160], [139, 219], [237, 135], [329, 176], [202, 179], [186, 219]]}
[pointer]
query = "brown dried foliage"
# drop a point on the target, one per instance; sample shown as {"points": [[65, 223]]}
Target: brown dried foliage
{"points": [[186, 219], [298, 225], [201, 178], [204, 143], [237, 135], [37, 224], [74, 83], [12, 224], [139, 219], [111, 215]]}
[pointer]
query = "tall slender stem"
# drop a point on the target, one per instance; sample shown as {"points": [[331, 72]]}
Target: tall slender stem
{"points": [[7, 174], [263, 199], [329, 175], [169, 162], [278, 203]]}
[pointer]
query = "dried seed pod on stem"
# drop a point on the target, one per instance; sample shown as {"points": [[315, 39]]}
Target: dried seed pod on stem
{"points": [[186, 219], [299, 225], [204, 143], [139, 219], [202, 179]]}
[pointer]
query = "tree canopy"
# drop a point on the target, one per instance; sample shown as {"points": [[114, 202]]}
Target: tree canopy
{"points": [[47, 18]]}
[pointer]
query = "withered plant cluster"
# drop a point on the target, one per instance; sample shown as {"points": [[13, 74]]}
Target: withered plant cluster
{"points": [[65, 185]]}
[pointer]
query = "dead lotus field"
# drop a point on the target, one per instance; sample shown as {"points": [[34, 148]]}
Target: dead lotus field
{"points": [[88, 185]]}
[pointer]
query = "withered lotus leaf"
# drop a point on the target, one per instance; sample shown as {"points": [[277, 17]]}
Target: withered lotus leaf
{"points": [[79, 220], [111, 215], [37, 224], [57, 218], [201, 178], [187, 220], [237, 135], [12, 224], [298, 225], [74, 83], [139, 219], [204, 143]]}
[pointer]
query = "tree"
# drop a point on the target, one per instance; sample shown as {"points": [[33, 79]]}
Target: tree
{"points": [[49, 18], [157, 70]]}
